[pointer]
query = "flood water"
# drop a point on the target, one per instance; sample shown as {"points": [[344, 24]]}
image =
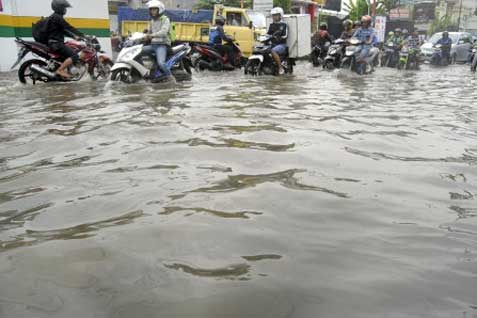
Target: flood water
{"points": [[317, 195]]}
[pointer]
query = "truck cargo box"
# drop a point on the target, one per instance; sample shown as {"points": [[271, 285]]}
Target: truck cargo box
{"points": [[299, 34]]}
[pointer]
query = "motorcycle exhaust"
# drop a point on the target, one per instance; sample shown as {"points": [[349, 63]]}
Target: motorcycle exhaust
{"points": [[42, 71]]}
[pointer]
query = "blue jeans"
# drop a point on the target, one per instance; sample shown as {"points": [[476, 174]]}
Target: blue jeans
{"points": [[280, 49], [161, 55]]}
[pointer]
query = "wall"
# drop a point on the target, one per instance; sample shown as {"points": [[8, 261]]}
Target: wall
{"points": [[90, 16]]}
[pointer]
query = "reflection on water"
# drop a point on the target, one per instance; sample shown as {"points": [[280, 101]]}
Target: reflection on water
{"points": [[322, 194]]}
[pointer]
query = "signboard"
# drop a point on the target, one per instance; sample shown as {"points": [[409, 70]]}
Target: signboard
{"points": [[380, 28], [262, 5], [399, 13]]}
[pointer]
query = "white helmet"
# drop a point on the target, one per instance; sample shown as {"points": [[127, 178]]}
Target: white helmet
{"points": [[156, 4], [277, 10]]}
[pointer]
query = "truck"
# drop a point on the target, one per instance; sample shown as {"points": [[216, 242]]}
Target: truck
{"points": [[194, 26]]}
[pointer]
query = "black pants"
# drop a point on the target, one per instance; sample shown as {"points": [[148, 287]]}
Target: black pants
{"points": [[226, 50], [64, 51]]}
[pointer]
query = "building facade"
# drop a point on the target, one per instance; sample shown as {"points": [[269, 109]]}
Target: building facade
{"points": [[17, 16]]}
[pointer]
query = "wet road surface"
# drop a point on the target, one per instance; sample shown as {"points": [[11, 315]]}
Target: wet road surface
{"points": [[323, 195]]}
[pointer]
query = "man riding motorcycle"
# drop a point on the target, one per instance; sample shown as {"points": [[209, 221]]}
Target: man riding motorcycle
{"points": [[217, 36], [279, 30], [348, 30], [446, 44], [57, 29], [159, 35], [365, 34]]}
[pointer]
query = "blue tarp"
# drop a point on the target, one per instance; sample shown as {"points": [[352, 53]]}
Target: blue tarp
{"points": [[200, 16]]}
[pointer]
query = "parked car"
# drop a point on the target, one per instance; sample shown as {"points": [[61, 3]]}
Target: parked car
{"points": [[461, 45]]}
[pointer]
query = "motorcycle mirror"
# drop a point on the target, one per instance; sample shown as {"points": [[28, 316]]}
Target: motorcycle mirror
{"points": [[250, 25]]}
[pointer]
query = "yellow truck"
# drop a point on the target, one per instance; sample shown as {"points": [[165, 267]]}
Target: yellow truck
{"points": [[194, 26]]}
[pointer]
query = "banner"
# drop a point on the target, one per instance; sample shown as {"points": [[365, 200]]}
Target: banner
{"points": [[380, 28]]}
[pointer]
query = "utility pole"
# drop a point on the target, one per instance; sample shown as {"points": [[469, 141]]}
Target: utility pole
{"points": [[460, 13]]}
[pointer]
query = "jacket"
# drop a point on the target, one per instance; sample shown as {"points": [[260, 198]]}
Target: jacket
{"points": [[159, 30]]}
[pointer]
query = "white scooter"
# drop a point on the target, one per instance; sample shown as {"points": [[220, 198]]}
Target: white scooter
{"points": [[132, 66]]}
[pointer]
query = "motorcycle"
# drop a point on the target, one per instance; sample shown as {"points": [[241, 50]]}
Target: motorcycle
{"points": [[132, 66], [335, 55], [318, 53], [391, 54], [408, 58], [350, 59], [438, 57], [261, 61], [207, 58], [43, 69], [473, 59]]}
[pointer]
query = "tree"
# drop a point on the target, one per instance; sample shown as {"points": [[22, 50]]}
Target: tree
{"points": [[358, 8], [445, 23], [284, 4]]}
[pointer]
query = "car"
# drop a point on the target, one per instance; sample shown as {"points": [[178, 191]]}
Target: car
{"points": [[461, 45]]}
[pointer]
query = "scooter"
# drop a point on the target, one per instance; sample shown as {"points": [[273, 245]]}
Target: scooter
{"points": [[261, 61], [43, 69], [335, 55], [408, 58], [438, 58], [318, 53], [350, 60], [132, 66], [391, 54], [206, 57]]}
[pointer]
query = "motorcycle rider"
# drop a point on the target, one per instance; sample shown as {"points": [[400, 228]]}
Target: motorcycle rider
{"points": [[446, 43], [57, 28], [216, 36], [279, 32], [365, 34], [414, 41], [348, 30], [398, 37], [322, 35], [159, 35]]}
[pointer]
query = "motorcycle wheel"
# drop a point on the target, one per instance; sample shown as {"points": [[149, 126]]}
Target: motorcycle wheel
{"points": [[25, 74], [252, 68], [124, 75], [101, 71], [329, 66]]}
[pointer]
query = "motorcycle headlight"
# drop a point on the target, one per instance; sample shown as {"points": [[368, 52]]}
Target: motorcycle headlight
{"points": [[333, 51]]}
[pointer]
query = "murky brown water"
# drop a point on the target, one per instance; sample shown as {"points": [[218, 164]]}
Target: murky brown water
{"points": [[324, 195]]}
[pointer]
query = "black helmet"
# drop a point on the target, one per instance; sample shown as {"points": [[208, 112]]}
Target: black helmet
{"points": [[220, 20], [59, 6], [323, 26], [445, 33]]}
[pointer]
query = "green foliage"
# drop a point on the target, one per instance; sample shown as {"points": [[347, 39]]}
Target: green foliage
{"points": [[358, 8], [442, 24], [284, 4]]}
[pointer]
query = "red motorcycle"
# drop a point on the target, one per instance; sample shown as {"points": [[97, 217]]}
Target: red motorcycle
{"points": [[92, 61], [208, 58]]}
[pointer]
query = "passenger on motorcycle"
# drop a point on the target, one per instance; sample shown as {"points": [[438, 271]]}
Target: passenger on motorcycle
{"points": [[414, 42], [279, 32], [365, 34], [446, 43], [348, 30], [217, 35], [57, 29], [159, 35], [322, 35]]}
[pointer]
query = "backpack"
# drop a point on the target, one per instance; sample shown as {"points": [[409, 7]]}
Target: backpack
{"points": [[39, 30]]}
